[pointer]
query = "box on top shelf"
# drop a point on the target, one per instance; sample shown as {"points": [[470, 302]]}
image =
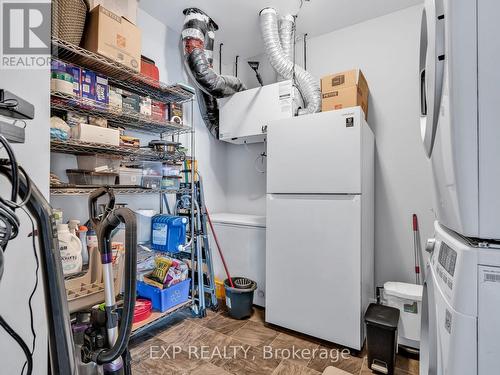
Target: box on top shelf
{"points": [[343, 90], [124, 8], [113, 36], [149, 68]]}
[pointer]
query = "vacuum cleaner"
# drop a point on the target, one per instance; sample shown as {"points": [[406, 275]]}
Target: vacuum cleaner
{"points": [[105, 341], [104, 348]]}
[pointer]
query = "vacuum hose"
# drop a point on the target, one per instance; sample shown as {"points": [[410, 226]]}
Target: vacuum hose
{"points": [[112, 221], [278, 53]]}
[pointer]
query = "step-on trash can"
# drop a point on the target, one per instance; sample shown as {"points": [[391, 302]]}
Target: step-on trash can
{"points": [[381, 337]]}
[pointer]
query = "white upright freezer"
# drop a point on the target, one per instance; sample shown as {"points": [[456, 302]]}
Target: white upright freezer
{"points": [[320, 225]]}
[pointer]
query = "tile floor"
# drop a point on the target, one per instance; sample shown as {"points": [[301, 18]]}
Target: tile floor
{"points": [[219, 345]]}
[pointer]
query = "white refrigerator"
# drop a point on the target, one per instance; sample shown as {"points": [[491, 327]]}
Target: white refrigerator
{"points": [[320, 225]]}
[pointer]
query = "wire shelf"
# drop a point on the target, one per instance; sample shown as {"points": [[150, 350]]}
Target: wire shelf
{"points": [[75, 147], [69, 191], [119, 74], [123, 118]]}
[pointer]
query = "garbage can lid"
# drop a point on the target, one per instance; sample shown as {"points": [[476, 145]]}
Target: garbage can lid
{"points": [[404, 290], [381, 315]]}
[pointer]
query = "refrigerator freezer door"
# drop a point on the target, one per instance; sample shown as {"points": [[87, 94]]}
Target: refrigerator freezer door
{"points": [[313, 265], [316, 154]]}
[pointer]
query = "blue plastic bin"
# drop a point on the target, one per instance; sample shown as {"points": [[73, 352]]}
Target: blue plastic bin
{"points": [[164, 299]]}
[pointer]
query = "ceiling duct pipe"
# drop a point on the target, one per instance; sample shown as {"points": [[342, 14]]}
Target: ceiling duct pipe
{"points": [[286, 27], [198, 38], [284, 66]]}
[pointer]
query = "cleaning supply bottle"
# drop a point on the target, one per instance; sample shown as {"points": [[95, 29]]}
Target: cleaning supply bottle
{"points": [[168, 233], [82, 235], [70, 247]]}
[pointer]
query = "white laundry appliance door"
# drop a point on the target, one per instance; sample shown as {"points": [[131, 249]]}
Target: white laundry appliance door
{"points": [[313, 265], [449, 116], [432, 42]]}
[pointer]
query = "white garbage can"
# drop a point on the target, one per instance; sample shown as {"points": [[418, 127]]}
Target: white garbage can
{"points": [[408, 299]]}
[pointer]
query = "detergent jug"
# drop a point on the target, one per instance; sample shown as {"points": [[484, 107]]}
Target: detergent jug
{"points": [[70, 247], [168, 233]]}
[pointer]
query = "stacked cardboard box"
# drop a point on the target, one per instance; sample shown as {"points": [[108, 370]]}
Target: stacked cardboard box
{"points": [[343, 90]]}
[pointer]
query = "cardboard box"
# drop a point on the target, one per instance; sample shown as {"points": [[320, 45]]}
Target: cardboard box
{"points": [[343, 90], [101, 89], [95, 134], [76, 72], [123, 8], [87, 82], [113, 36], [131, 101], [175, 113]]}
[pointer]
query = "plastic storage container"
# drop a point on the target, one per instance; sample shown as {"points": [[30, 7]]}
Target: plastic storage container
{"points": [[83, 177], [151, 182], [407, 298], [381, 337], [88, 290], [93, 162], [168, 233], [144, 218], [130, 176], [171, 182], [164, 299]]}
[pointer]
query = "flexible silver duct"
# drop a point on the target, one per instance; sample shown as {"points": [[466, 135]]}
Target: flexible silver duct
{"points": [[286, 26], [198, 36], [308, 85], [287, 35]]}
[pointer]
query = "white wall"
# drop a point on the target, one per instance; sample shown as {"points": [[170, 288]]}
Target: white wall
{"points": [[386, 49], [19, 275]]}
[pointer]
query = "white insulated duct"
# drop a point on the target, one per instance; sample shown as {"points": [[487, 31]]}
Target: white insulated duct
{"points": [[278, 52], [286, 25]]}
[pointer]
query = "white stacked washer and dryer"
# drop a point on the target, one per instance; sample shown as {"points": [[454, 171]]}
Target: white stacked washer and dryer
{"points": [[460, 100]]}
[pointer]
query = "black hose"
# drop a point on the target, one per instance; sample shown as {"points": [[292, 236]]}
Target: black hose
{"points": [[126, 216], [20, 342]]}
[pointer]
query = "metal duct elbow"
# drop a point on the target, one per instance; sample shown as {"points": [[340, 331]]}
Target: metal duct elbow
{"points": [[198, 36], [278, 51]]}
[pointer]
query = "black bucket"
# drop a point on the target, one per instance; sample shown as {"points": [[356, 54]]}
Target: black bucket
{"points": [[239, 300]]}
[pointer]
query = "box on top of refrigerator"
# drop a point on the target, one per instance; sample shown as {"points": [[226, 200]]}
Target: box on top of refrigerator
{"points": [[344, 90]]}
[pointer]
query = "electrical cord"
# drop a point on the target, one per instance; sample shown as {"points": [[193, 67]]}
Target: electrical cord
{"points": [[9, 103], [20, 342], [9, 229], [37, 262]]}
